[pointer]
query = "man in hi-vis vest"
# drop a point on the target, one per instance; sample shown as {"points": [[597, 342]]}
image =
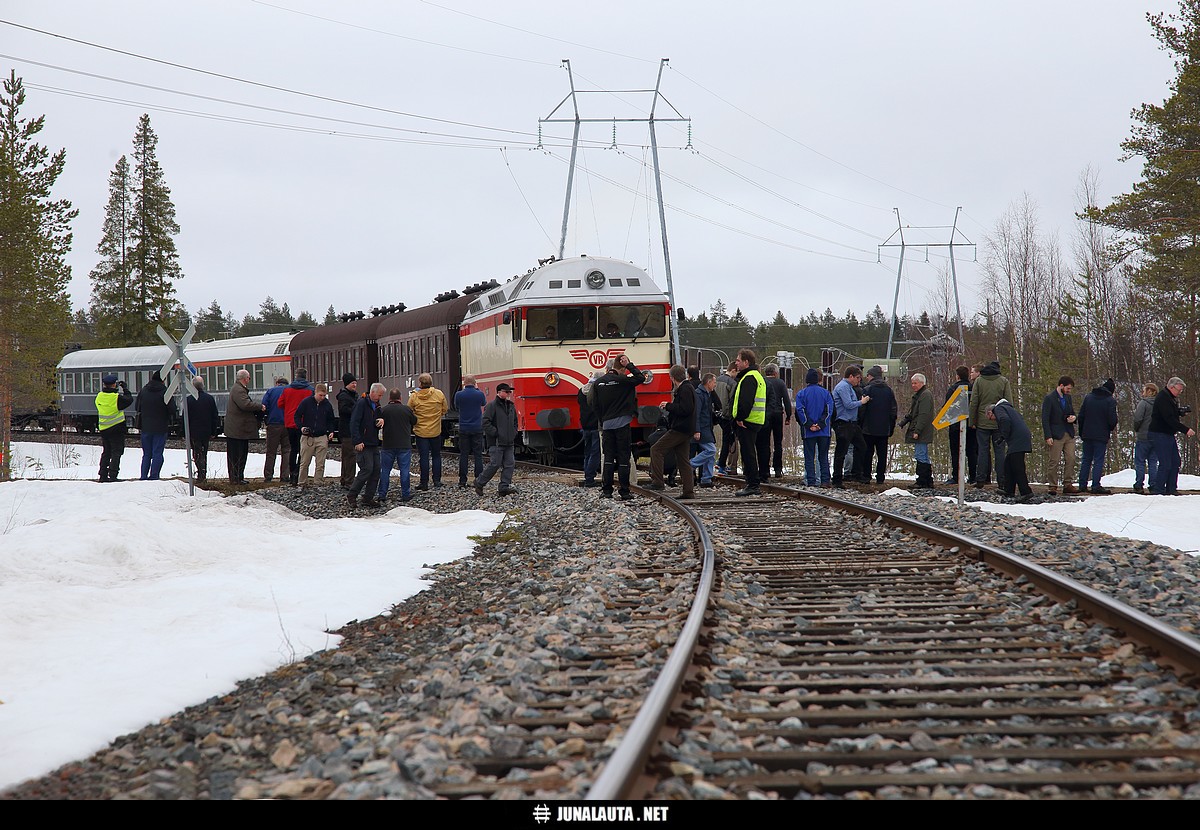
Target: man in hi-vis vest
{"points": [[749, 413], [109, 403]]}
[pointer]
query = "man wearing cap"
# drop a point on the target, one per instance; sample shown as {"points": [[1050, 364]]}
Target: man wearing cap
{"points": [[1164, 424], [1097, 418], [277, 436], [469, 402], [500, 427], [155, 416], [109, 403], [204, 422], [347, 397]]}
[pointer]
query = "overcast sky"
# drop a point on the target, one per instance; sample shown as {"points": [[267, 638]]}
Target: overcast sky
{"points": [[366, 153]]}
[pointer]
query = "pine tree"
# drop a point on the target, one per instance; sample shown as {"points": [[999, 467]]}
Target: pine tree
{"points": [[155, 259], [116, 318], [35, 236], [330, 316], [1160, 217]]}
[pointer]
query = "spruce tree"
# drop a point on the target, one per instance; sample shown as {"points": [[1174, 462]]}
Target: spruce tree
{"points": [[35, 236], [118, 320], [155, 258], [210, 323]]}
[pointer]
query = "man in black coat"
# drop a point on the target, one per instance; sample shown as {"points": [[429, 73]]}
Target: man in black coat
{"points": [[877, 418], [204, 423], [1058, 428], [1164, 424], [500, 428], [1097, 420], [779, 414], [155, 416], [365, 423], [681, 426], [1018, 441], [347, 397], [590, 427], [616, 406]]}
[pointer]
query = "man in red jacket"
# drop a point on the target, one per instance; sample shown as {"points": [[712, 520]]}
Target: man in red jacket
{"points": [[297, 390]]}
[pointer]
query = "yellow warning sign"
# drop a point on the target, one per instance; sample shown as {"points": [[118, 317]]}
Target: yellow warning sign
{"points": [[955, 409]]}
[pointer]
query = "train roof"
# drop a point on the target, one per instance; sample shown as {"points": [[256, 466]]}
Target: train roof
{"points": [[98, 359], [211, 351], [446, 313], [237, 348], [581, 279], [350, 333]]}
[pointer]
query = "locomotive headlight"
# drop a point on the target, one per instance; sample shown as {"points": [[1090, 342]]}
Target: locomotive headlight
{"points": [[551, 379], [595, 279]]}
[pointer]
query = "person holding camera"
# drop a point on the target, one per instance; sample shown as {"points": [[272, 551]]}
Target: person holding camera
{"points": [[616, 407], [109, 403], [1164, 424]]}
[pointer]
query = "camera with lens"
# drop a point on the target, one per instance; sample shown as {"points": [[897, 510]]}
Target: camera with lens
{"points": [[1184, 409]]}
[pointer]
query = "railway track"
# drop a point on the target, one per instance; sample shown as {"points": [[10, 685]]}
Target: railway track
{"points": [[831, 650]]}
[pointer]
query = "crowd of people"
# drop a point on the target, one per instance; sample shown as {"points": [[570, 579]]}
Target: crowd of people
{"points": [[750, 406]]}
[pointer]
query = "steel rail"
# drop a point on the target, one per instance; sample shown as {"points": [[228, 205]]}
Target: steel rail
{"points": [[1173, 645], [627, 762]]}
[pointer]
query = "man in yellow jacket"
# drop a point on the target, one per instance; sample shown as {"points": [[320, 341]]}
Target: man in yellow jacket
{"points": [[109, 403], [429, 405]]}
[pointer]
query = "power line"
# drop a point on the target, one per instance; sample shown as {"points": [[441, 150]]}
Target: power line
{"points": [[260, 85]]}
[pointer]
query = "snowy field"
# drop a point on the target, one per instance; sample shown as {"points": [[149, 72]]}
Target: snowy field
{"points": [[123, 603]]}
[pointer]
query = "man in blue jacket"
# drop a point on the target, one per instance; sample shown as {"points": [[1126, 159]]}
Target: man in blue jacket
{"points": [[845, 425], [814, 412], [277, 434], [1097, 420], [469, 401]]}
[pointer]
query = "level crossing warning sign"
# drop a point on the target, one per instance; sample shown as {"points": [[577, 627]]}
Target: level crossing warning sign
{"points": [[955, 409]]}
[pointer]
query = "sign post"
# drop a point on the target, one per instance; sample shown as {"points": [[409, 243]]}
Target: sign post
{"points": [[956, 410], [177, 368]]}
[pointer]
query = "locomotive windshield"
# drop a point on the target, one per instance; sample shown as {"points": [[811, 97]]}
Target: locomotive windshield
{"points": [[588, 322]]}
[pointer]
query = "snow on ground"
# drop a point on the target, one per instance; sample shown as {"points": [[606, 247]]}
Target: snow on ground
{"points": [[123, 603]]}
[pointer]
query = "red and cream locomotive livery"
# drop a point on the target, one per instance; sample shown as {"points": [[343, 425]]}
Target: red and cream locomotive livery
{"points": [[546, 332]]}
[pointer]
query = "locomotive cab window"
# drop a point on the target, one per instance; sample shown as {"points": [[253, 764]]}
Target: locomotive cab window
{"points": [[629, 321], [562, 323]]}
